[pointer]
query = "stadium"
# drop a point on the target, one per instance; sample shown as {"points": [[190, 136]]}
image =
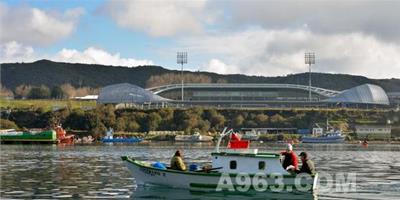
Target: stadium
{"points": [[230, 95]]}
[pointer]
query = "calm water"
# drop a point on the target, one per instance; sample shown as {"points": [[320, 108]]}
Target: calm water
{"points": [[96, 171]]}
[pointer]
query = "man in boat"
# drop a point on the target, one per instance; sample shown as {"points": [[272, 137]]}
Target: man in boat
{"points": [[307, 164], [177, 161], [290, 161]]}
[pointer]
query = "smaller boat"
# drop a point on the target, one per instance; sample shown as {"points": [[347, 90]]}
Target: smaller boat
{"points": [[62, 137], [109, 138], [31, 136], [329, 136], [250, 135], [196, 137]]}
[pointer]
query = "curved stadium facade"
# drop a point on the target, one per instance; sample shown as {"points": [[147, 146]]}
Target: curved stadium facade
{"points": [[246, 95]]}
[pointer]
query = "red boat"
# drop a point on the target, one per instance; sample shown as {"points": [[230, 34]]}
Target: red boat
{"points": [[62, 137]]}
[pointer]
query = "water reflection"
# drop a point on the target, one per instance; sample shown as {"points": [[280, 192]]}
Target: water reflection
{"points": [[158, 192]]}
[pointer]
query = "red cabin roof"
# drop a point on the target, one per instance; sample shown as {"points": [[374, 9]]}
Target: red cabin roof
{"points": [[236, 143]]}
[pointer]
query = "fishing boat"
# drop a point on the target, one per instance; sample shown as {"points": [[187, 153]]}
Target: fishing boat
{"points": [[109, 138], [328, 137], [57, 135], [319, 135], [35, 136], [262, 170], [63, 137], [196, 137]]}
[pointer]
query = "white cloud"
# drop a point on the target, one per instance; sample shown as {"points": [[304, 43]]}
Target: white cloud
{"points": [[280, 52], [16, 52], [34, 26], [97, 56], [161, 18], [219, 67]]}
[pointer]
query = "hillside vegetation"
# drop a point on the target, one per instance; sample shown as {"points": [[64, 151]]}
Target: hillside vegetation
{"points": [[97, 120], [52, 74]]}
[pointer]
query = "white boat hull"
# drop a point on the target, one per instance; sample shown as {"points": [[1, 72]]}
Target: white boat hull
{"points": [[201, 181]]}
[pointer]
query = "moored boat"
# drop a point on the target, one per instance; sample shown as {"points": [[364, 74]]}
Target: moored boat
{"points": [[262, 171], [319, 135], [109, 138], [62, 137], [32, 136], [333, 137], [196, 137]]}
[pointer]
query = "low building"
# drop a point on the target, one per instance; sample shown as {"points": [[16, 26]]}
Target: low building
{"points": [[260, 131], [373, 131]]}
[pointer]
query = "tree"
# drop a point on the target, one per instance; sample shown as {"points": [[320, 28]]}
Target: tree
{"points": [[5, 93], [154, 120], [218, 121], [238, 121], [277, 119], [22, 91], [261, 119], [57, 93], [132, 126], [7, 124], [42, 92], [68, 90], [174, 78]]}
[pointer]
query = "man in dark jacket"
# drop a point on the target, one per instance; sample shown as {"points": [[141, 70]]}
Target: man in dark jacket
{"points": [[307, 165]]}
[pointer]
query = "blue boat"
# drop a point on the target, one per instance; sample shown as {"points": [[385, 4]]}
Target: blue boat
{"points": [[320, 136], [325, 138], [109, 138]]}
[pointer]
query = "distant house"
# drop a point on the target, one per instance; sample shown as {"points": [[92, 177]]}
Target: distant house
{"points": [[373, 131], [87, 97]]}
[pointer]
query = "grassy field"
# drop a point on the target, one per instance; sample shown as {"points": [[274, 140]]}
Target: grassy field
{"points": [[45, 104]]}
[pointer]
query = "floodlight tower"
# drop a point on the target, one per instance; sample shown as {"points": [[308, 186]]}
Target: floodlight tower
{"points": [[181, 58], [309, 58]]}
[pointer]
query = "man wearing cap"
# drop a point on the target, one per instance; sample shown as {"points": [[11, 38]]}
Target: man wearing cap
{"points": [[307, 165], [290, 162]]}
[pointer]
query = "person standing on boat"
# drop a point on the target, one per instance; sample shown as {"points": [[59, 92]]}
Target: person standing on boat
{"points": [[307, 164], [177, 161], [290, 161]]}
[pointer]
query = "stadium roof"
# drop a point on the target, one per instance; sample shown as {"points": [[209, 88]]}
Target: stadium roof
{"points": [[365, 94], [317, 90], [127, 93]]}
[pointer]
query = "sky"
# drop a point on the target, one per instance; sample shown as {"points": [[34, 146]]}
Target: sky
{"points": [[253, 37]]}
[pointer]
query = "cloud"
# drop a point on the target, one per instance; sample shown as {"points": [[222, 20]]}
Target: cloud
{"points": [[16, 52], [160, 18], [97, 56], [279, 52], [34, 26], [219, 67], [380, 18]]}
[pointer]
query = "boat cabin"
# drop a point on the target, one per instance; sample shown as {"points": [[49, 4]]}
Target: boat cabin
{"points": [[235, 162], [239, 158]]}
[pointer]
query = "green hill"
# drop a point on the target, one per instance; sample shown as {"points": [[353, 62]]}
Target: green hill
{"points": [[45, 72]]}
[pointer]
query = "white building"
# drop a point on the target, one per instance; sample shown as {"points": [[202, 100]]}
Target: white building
{"points": [[373, 131]]}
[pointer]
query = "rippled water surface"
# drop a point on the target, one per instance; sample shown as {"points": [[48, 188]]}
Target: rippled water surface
{"points": [[96, 171]]}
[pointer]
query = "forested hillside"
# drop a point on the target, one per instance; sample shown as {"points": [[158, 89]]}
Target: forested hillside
{"points": [[51, 74]]}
